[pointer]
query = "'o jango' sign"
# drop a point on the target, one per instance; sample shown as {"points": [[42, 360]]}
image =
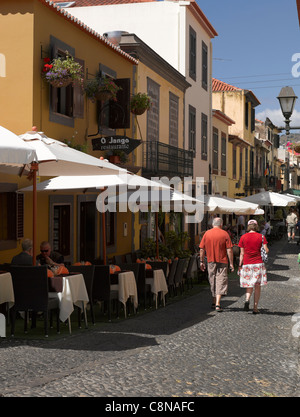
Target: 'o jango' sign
{"points": [[117, 142]]}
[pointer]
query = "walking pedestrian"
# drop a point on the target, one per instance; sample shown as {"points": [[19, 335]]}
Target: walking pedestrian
{"points": [[291, 221], [217, 245], [252, 270]]}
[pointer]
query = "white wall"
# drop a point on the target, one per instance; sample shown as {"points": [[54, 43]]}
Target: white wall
{"points": [[164, 26], [155, 23]]}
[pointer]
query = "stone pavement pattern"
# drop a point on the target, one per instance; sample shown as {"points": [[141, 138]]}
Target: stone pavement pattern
{"points": [[184, 349]]}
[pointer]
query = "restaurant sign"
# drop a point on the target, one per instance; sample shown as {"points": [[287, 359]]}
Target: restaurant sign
{"points": [[113, 143]]}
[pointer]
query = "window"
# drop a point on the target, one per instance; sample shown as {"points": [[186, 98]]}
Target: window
{"points": [[234, 162], [153, 90], [192, 129], [12, 216], [110, 218], [223, 153], [246, 115], [173, 120], [241, 163], [203, 136], [192, 54], [66, 103], [252, 119], [246, 166], [204, 66], [215, 150]]}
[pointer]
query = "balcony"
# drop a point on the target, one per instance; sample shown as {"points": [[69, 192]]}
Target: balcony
{"points": [[269, 182], [160, 159]]}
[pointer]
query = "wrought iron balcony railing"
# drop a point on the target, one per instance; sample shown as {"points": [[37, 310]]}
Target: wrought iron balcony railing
{"points": [[160, 159]]}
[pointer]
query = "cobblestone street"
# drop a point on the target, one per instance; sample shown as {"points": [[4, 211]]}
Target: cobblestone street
{"points": [[184, 349]]}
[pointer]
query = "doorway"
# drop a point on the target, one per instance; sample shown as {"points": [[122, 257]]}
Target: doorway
{"points": [[87, 231]]}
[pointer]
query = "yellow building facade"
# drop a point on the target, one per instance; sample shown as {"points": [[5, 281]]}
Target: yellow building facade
{"points": [[29, 32], [239, 105]]}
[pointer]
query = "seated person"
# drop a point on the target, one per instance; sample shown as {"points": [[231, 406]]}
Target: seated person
{"points": [[49, 257], [25, 257]]}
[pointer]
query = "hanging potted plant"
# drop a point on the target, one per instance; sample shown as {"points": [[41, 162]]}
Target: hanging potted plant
{"points": [[139, 103], [61, 71], [101, 88]]}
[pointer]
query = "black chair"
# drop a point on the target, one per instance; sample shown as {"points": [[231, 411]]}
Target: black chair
{"points": [[88, 274], [118, 259], [178, 278], [143, 289], [30, 285], [188, 275], [159, 265], [128, 258], [101, 288], [5, 267], [171, 275]]}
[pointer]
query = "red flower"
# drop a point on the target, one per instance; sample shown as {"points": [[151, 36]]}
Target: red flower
{"points": [[46, 60]]}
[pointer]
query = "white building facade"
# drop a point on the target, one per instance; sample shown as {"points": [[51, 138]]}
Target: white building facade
{"points": [[181, 34]]}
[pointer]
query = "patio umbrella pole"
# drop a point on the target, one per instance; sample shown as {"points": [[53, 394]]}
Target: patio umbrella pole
{"points": [[34, 168], [104, 238], [156, 225]]}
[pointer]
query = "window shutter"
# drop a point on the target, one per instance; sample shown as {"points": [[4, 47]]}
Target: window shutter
{"points": [[119, 111], [20, 216], [78, 96]]}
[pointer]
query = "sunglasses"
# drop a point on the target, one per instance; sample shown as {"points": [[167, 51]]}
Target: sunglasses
{"points": [[45, 250]]}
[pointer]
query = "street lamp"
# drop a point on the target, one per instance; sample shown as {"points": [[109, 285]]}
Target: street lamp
{"points": [[287, 99]]}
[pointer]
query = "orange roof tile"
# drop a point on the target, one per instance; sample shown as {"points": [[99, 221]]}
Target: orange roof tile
{"points": [[218, 85]]}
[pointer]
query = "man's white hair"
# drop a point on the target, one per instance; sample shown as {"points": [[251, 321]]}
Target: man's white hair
{"points": [[217, 221]]}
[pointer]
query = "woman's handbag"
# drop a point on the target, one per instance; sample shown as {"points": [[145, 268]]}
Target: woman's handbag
{"points": [[264, 255]]}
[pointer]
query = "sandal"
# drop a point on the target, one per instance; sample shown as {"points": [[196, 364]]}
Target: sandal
{"points": [[246, 306], [219, 309], [256, 312]]}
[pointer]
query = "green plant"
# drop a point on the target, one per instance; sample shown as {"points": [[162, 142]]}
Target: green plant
{"points": [[278, 214], [121, 154], [78, 146], [95, 86], [140, 102], [174, 246], [61, 69]]}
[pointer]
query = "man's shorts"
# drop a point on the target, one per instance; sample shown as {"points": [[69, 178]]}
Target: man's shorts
{"points": [[291, 228], [218, 278]]}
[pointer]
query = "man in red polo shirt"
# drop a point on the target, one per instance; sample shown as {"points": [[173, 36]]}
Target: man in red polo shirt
{"points": [[218, 247]]}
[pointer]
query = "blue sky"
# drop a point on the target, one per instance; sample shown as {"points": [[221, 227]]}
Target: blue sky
{"points": [[254, 48]]}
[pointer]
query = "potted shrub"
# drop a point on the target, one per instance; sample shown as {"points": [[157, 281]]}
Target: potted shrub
{"points": [[61, 71], [139, 103], [101, 88], [116, 157]]}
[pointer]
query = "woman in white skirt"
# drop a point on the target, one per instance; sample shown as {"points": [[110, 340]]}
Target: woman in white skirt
{"points": [[252, 270]]}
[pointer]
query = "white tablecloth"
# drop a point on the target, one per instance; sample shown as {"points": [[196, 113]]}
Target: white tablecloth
{"points": [[126, 288], [158, 284], [6, 289], [74, 293]]}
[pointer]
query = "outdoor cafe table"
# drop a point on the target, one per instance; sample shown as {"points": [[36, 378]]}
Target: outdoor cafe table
{"points": [[71, 290], [6, 289], [157, 280], [126, 287]]}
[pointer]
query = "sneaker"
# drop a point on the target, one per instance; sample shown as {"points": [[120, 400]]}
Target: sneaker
{"points": [[246, 306]]}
